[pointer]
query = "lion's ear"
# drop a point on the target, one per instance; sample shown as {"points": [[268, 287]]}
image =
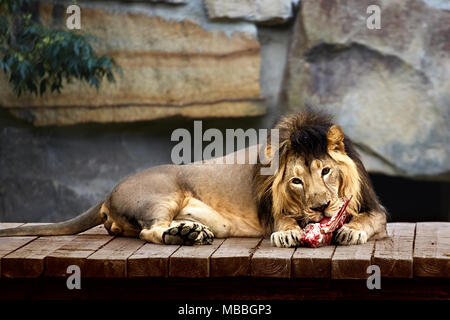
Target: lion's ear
{"points": [[335, 138]]}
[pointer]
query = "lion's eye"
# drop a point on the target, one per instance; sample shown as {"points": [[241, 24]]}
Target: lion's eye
{"points": [[296, 181], [325, 171]]}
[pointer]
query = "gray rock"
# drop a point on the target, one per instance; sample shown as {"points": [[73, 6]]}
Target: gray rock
{"points": [[388, 88], [274, 43], [260, 11], [55, 174]]}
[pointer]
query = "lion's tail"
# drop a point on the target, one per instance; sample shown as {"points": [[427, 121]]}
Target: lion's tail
{"points": [[83, 222]]}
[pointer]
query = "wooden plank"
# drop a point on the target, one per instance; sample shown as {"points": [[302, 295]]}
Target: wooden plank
{"points": [[312, 262], [151, 260], [110, 261], [271, 262], [100, 229], [351, 262], [74, 253], [233, 257], [394, 255], [193, 261], [28, 261], [432, 250], [10, 244]]}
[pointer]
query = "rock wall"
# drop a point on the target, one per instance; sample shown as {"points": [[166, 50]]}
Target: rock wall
{"points": [[174, 62], [260, 11], [389, 88]]}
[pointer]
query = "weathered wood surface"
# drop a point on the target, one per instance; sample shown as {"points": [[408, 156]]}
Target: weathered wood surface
{"points": [[411, 250], [10, 244], [394, 255], [233, 258], [312, 262], [351, 262], [193, 261], [151, 260], [110, 261], [271, 262], [76, 252], [29, 261], [432, 250]]}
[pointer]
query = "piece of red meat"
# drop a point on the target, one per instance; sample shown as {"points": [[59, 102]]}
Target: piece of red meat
{"points": [[320, 233]]}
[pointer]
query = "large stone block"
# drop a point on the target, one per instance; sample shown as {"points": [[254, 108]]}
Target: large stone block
{"points": [[389, 88], [260, 11], [174, 62]]}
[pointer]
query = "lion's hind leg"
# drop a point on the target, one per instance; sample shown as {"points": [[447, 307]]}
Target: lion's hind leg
{"points": [[190, 224]]}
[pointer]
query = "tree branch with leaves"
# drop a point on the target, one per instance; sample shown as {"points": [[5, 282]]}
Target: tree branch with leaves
{"points": [[38, 59]]}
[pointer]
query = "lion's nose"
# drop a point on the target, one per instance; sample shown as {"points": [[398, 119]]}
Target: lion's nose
{"points": [[322, 207]]}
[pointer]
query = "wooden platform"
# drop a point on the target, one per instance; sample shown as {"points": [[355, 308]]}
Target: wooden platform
{"points": [[412, 251]]}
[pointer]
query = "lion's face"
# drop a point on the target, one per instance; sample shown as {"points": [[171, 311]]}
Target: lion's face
{"points": [[315, 173], [313, 186]]}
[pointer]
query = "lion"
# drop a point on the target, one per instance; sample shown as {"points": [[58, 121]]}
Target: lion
{"points": [[192, 204]]}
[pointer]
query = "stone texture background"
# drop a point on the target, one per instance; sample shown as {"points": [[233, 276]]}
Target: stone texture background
{"points": [[237, 64], [174, 62], [388, 88]]}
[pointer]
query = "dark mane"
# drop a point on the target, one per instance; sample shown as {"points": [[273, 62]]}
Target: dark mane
{"points": [[310, 141], [369, 198], [306, 132]]}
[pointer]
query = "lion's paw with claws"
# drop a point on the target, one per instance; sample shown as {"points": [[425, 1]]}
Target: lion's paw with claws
{"points": [[188, 233], [286, 239], [347, 235]]}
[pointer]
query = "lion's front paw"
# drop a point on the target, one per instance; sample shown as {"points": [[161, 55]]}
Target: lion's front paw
{"points": [[348, 235], [286, 239]]}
